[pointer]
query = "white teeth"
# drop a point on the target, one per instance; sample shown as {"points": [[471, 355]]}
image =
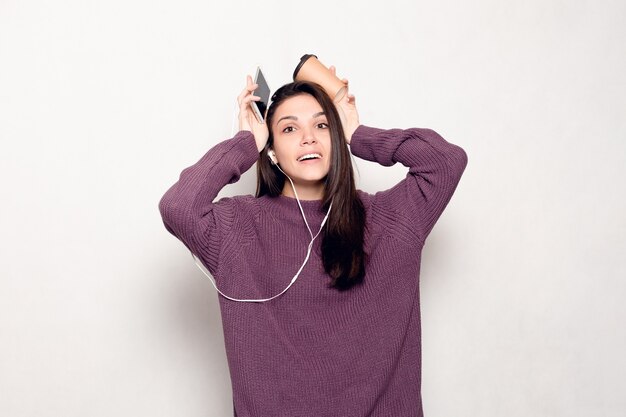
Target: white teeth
{"points": [[309, 156]]}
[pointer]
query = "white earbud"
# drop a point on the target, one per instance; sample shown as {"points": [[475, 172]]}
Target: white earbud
{"points": [[272, 156]]}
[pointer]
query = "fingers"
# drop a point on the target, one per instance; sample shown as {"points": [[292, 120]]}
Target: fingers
{"points": [[333, 70], [246, 97], [243, 106], [244, 94], [250, 87], [349, 98]]}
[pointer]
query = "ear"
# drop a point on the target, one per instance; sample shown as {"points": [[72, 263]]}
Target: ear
{"points": [[272, 156]]}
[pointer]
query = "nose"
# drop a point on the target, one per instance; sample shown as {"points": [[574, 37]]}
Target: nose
{"points": [[308, 137]]}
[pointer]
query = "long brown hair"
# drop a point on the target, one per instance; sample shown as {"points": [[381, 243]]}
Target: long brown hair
{"points": [[342, 245]]}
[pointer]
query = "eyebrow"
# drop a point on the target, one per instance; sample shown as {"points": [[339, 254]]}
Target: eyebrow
{"points": [[295, 118]]}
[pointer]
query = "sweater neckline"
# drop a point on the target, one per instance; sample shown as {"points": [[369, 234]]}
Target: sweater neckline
{"points": [[287, 207]]}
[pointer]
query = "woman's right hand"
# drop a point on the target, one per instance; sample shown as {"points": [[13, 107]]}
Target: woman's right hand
{"points": [[247, 119]]}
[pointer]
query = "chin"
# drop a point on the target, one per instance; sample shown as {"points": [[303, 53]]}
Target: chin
{"points": [[308, 176], [309, 180]]}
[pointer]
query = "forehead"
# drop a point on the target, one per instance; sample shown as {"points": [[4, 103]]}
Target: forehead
{"points": [[301, 106]]}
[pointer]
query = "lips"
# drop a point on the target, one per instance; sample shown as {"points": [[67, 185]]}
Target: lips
{"points": [[310, 156]]}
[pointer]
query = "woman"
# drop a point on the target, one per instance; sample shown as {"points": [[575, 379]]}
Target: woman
{"points": [[345, 339]]}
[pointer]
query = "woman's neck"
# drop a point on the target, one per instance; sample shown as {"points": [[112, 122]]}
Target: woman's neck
{"points": [[305, 191]]}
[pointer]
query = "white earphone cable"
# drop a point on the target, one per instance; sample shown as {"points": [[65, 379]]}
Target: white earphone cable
{"points": [[298, 200], [308, 253], [234, 124]]}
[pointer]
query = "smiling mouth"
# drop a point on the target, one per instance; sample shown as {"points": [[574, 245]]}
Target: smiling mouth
{"points": [[310, 157]]}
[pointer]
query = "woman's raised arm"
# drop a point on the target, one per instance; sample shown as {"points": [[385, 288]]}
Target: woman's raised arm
{"points": [[187, 208], [435, 168]]}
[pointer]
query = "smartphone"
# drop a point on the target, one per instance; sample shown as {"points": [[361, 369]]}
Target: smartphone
{"points": [[263, 90]]}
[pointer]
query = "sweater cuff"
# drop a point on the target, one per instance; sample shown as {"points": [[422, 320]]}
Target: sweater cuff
{"points": [[375, 144], [248, 153]]}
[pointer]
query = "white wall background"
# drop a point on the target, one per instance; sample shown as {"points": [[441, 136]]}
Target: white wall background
{"points": [[102, 104]]}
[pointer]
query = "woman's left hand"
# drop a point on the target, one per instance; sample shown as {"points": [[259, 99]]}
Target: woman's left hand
{"points": [[346, 106]]}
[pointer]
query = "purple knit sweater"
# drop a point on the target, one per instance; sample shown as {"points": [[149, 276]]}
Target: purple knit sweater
{"points": [[315, 351]]}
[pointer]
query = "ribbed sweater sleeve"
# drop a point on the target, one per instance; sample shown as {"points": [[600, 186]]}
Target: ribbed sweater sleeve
{"points": [[187, 208], [435, 168]]}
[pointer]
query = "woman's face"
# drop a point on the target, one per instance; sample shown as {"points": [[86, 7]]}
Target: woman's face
{"points": [[300, 128]]}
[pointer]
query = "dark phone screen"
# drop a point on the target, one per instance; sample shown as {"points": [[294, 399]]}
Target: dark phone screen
{"points": [[262, 91]]}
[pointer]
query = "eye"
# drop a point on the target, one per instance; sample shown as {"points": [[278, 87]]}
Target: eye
{"points": [[288, 127], [323, 123]]}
